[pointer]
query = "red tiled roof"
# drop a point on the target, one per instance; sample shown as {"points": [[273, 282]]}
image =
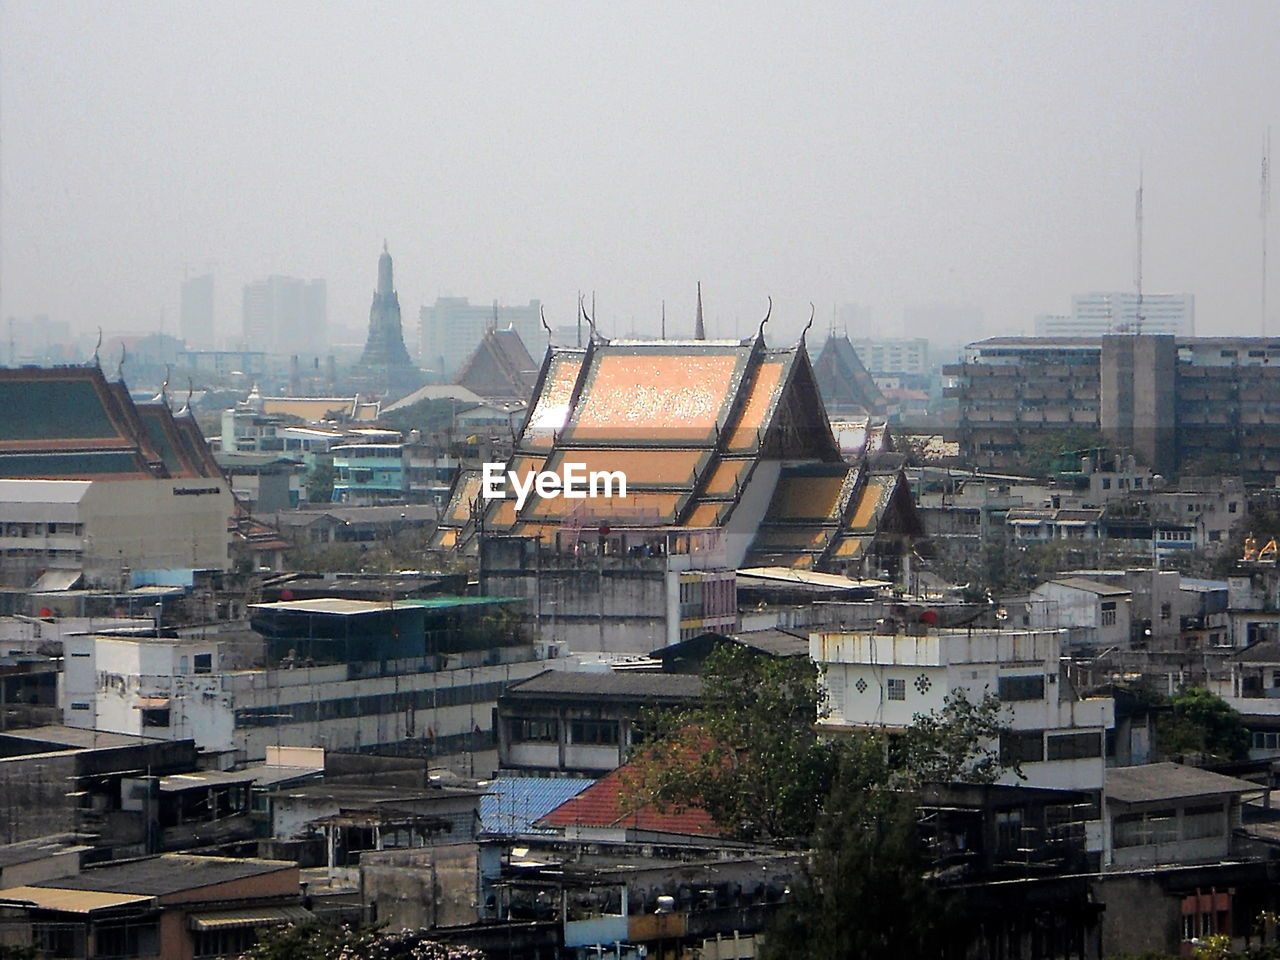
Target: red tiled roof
{"points": [[603, 804]]}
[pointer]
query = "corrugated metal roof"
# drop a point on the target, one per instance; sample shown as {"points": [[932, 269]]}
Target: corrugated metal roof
{"points": [[68, 901], [1169, 781], [337, 606], [514, 804], [560, 683], [250, 917], [52, 580]]}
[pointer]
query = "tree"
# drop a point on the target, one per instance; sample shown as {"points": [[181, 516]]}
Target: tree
{"points": [[320, 482], [326, 941], [864, 895], [748, 753], [1200, 722]]}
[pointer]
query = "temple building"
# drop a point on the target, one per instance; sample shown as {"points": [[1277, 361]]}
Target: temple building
{"points": [[846, 386], [500, 367], [385, 363], [93, 484], [721, 436]]}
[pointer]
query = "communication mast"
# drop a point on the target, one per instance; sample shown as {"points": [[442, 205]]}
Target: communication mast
{"points": [[1265, 215], [1137, 214]]}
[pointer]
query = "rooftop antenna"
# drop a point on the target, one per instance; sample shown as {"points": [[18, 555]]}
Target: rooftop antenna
{"points": [[664, 319], [805, 332], [120, 365], [97, 362], [1138, 266], [1265, 213], [579, 318], [494, 327]]}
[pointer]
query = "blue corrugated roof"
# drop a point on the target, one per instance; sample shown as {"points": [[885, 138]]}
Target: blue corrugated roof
{"points": [[514, 804]]}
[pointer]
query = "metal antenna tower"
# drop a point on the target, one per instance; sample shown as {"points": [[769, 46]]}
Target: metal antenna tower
{"points": [[1265, 215], [1137, 213]]}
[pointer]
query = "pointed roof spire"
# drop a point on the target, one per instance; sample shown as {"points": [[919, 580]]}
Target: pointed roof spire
{"points": [[699, 328]]}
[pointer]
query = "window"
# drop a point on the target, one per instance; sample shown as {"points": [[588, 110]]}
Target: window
{"points": [[1206, 821], [1141, 829], [897, 689], [1021, 688], [1022, 746], [79, 705], [1109, 613], [525, 730], [593, 731], [1074, 746], [1166, 611], [155, 717], [1106, 483], [1231, 507], [204, 663]]}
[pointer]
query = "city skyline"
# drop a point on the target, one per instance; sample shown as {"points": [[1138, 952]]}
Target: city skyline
{"points": [[885, 156]]}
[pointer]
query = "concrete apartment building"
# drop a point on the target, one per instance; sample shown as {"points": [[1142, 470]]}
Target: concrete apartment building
{"points": [[279, 312], [1099, 314], [1205, 404], [452, 328], [883, 678]]}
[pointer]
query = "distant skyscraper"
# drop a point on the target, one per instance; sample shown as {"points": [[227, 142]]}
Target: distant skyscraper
{"points": [[453, 327], [285, 315], [196, 319], [1097, 314], [385, 346]]}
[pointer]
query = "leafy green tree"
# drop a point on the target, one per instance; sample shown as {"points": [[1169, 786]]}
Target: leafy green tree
{"points": [[748, 753], [956, 744], [320, 482], [1200, 722], [864, 894]]}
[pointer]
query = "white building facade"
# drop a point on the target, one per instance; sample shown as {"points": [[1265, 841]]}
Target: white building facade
{"points": [[105, 528], [179, 689], [881, 680]]}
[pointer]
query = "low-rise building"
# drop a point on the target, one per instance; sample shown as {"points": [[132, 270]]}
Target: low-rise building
{"points": [[1099, 614], [174, 906], [582, 722], [1160, 813], [883, 678]]}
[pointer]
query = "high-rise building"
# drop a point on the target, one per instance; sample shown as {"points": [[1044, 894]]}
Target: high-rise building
{"points": [[284, 314], [453, 327], [1184, 404], [196, 318], [1099, 314], [385, 345]]}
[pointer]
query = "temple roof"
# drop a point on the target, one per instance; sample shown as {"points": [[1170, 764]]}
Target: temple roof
{"points": [[690, 424], [70, 423], [846, 385], [500, 367]]}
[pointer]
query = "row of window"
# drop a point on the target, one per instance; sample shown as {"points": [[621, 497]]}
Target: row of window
{"points": [[1033, 746], [591, 732], [1161, 826], [371, 705], [41, 529]]}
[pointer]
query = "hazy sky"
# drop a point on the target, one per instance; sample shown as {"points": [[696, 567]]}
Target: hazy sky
{"points": [[887, 154]]}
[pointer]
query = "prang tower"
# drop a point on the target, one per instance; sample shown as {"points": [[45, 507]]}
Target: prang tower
{"points": [[385, 346]]}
